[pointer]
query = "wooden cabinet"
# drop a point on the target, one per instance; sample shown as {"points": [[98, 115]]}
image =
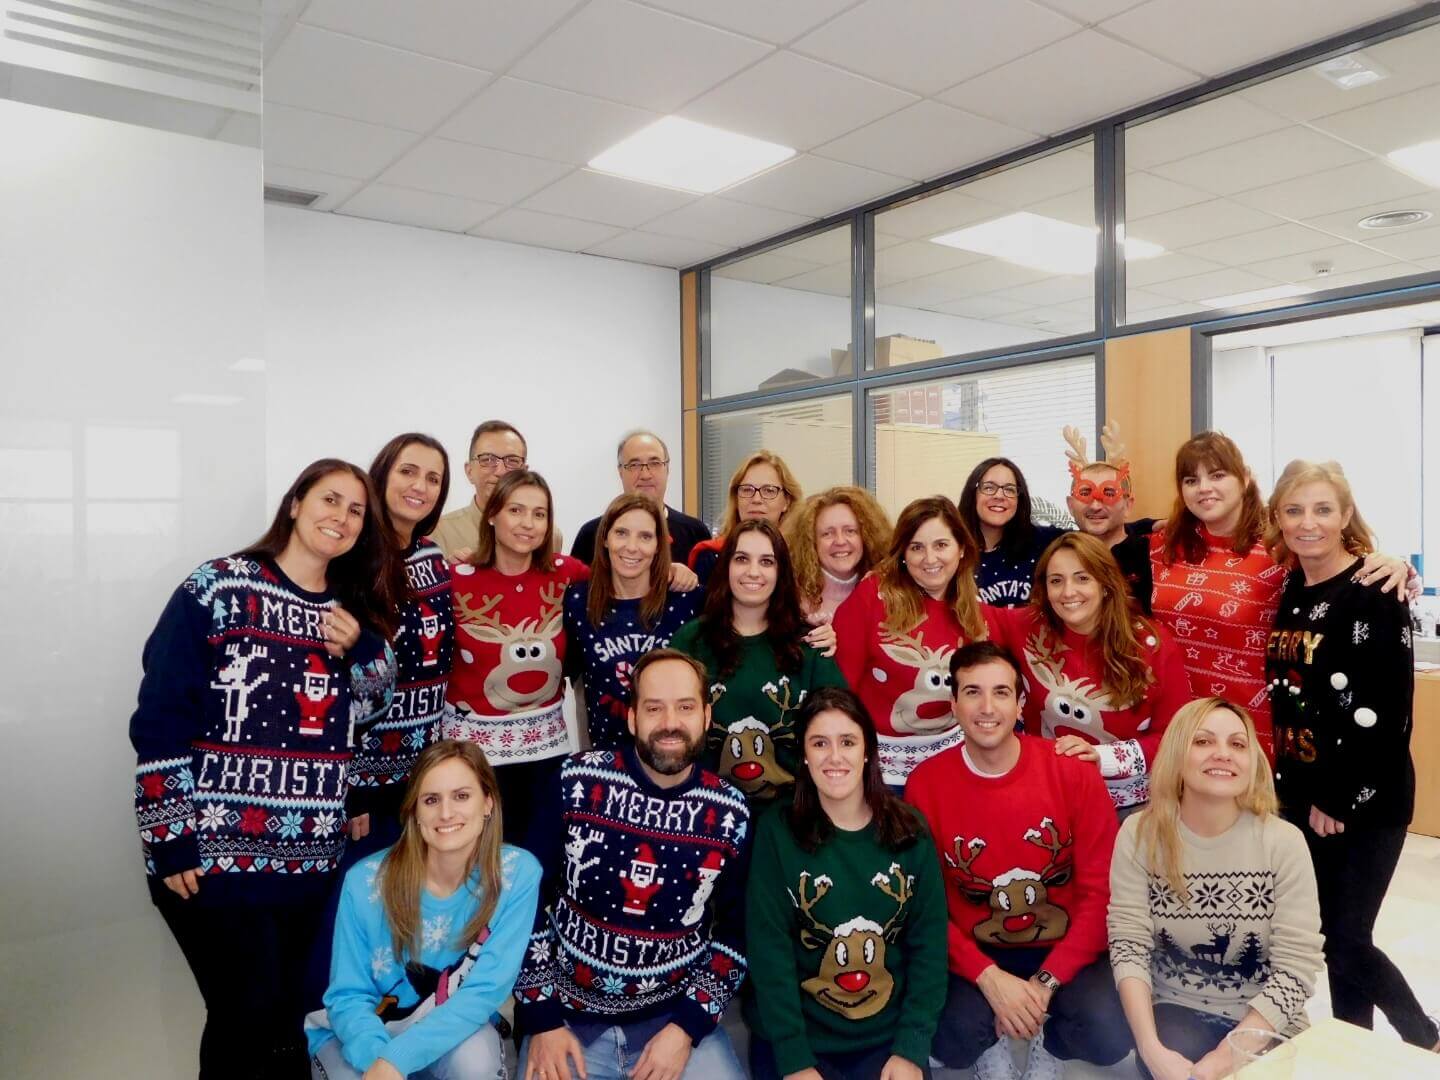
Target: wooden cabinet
{"points": [[1425, 750]]}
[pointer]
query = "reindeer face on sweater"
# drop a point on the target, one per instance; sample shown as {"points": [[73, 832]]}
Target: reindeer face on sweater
{"points": [[1021, 912], [747, 759], [853, 979]]}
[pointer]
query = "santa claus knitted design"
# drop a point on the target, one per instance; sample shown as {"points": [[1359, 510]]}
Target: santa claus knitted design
{"points": [[424, 645], [244, 726], [646, 917]]}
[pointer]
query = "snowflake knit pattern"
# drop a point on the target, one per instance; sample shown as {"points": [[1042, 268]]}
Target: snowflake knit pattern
{"points": [[244, 727], [424, 647], [1221, 611], [648, 919]]}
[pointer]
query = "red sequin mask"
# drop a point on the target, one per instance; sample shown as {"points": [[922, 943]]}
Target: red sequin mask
{"points": [[1086, 489]]}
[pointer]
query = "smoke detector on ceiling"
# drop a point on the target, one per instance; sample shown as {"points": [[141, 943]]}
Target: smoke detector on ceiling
{"points": [[1394, 219], [1322, 267]]}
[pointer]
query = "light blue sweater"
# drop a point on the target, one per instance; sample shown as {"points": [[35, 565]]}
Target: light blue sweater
{"points": [[363, 967]]}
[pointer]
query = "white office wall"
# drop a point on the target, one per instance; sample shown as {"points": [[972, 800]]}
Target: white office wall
{"points": [[131, 272], [373, 329]]}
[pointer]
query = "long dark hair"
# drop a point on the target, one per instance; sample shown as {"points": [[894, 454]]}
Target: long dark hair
{"points": [[602, 584], [380, 475], [1018, 534], [366, 579], [904, 601], [1217, 452], [485, 549], [896, 825], [784, 625]]}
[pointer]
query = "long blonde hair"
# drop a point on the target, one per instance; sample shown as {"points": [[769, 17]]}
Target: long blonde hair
{"points": [[1158, 832], [804, 552], [904, 600], [1126, 672], [788, 484], [402, 873], [1357, 536]]}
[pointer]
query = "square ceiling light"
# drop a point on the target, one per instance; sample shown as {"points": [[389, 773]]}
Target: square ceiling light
{"points": [[1350, 71], [1421, 161], [1041, 243], [676, 153]]}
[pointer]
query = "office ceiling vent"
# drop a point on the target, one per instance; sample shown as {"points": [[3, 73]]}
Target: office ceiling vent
{"points": [[1394, 219], [290, 196], [197, 59]]}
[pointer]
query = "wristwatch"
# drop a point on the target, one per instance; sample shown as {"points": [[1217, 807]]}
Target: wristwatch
{"points": [[1047, 980]]}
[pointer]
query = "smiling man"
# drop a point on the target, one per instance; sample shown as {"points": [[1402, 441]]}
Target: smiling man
{"points": [[638, 945], [1025, 837], [643, 462], [1100, 500]]}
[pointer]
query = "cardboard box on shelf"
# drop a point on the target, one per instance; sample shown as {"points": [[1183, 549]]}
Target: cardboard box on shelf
{"points": [[892, 350]]}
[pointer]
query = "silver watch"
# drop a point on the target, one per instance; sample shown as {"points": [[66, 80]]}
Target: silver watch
{"points": [[1047, 980]]}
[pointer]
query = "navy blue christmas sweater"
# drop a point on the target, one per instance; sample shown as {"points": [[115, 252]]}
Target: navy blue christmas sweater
{"points": [[646, 920], [244, 730], [605, 655], [424, 646]]}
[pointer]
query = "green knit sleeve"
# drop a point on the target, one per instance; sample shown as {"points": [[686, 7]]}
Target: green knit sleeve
{"points": [[771, 933], [825, 671], [926, 956]]}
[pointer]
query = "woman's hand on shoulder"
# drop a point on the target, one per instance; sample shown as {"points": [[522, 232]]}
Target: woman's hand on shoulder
{"points": [[1389, 572], [822, 638], [682, 578], [1075, 746]]}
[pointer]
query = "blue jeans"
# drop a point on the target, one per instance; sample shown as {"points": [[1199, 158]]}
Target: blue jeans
{"points": [[480, 1057], [612, 1056]]}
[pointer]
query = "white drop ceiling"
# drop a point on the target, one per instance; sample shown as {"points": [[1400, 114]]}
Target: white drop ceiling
{"points": [[478, 117]]}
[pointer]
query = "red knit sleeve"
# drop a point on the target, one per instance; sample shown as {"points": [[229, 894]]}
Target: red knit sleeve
{"points": [[1171, 689], [1095, 826], [1007, 627], [854, 622]]}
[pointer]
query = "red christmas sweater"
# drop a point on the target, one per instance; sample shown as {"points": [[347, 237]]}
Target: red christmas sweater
{"points": [[507, 687], [902, 679], [1027, 854], [1063, 696], [1221, 610]]}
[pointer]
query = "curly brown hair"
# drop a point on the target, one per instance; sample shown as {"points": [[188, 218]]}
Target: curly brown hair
{"points": [[875, 530]]}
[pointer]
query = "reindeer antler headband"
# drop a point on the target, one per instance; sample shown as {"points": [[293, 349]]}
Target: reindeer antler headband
{"points": [[1115, 457]]}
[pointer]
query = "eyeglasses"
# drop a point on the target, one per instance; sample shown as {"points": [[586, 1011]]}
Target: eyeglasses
{"points": [[489, 461], [654, 465], [767, 492], [989, 487]]}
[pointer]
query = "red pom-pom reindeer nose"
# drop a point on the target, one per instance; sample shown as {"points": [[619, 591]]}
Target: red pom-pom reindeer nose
{"points": [[852, 982], [748, 770], [1015, 923]]}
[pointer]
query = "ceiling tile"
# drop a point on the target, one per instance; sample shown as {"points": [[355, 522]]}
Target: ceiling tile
{"points": [[1146, 194], [936, 214], [472, 172], [924, 141], [721, 221], [1252, 247], [1384, 272], [822, 248], [544, 230], [1090, 11], [1332, 190], [651, 59], [813, 185], [315, 141], [1409, 61], [644, 247], [1345, 223], [528, 118], [1266, 159], [1211, 285], [1054, 290], [1164, 311], [344, 76], [1344, 259], [833, 280], [425, 209], [764, 268], [795, 102], [917, 258], [1167, 267], [1389, 125], [990, 275], [764, 19], [1191, 130], [1196, 224], [1213, 41], [1410, 243], [927, 45], [1055, 89], [1076, 207], [982, 307], [482, 35], [333, 189], [1137, 300], [596, 197], [1040, 178]]}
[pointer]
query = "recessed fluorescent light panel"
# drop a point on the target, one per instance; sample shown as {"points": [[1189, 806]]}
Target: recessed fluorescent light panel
{"points": [[1421, 161], [676, 153], [1256, 296], [1041, 243], [1350, 71]]}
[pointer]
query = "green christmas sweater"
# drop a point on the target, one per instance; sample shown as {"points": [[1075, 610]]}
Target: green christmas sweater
{"points": [[752, 721], [846, 945]]}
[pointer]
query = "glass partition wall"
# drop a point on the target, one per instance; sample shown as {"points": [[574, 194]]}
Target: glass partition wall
{"points": [[982, 302]]}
